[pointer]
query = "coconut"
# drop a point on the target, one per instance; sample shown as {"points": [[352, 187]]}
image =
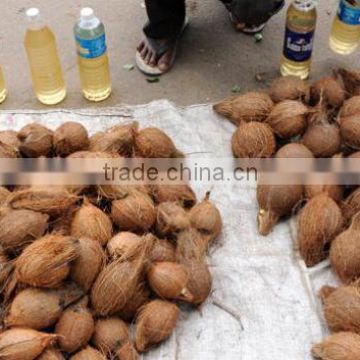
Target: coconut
{"points": [[190, 246], [154, 143], [23, 344], [36, 140], [46, 262], [51, 354], [92, 223], [351, 205], [40, 308], [333, 191], [118, 281], [19, 228], [342, 309], [351, 79], [350, 131], [252, 106], [351, 107], [168, 280], [170, 219], [294, 150], [206, 218], [329, 90], [289, 88], [75, 326], [320, 221], [345, 252], [6, 268], [113, 192], [136, 212], [88, 264], [162, 250], [88, 353], [4, 195], [9, 137], [288, 118], [276, 201], [253, 140], [52, 200], [69, 138], [182, 194], [7, 151], [118, 139], [140, 297], [62, 224], [155, 323], [110, 334], [340, 346], [127, 352], [123, 243]]}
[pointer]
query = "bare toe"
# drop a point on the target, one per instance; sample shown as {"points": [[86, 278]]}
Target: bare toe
{"points": [[165, 60]]}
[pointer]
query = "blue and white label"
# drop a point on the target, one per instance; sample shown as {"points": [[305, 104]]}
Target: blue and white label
{"points": [[349, 14], [298, 46], [90, 49]]}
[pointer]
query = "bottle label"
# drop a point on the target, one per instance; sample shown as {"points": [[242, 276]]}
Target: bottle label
{"points": [[349, 14], [298, 46], [90, 49]]}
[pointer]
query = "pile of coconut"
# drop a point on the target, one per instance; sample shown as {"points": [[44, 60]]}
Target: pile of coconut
{"points": [[98, 272], [322, 120]]}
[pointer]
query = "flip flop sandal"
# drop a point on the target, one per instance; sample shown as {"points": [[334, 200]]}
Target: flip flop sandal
{"points": [[160, 49]]}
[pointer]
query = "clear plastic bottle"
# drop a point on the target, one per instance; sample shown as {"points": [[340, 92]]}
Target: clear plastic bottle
{"points": [[92, 56], [3, 91], [345, 32], [299, 38], [47, 76]]}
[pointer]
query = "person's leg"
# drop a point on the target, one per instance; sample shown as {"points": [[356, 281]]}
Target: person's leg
{"points": [[166, 19]]}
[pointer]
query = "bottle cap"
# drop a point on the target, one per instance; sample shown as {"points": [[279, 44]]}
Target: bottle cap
{"points": [[33, 13], [87, 13]]}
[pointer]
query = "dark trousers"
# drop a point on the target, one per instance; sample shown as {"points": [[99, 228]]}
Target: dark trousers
{"points": [[166, 17]]}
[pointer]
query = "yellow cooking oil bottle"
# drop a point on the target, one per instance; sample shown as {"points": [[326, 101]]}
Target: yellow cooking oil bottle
{"points": [[345, 33], [3, 91], [92, 56], [299, 38], [46, 72]]}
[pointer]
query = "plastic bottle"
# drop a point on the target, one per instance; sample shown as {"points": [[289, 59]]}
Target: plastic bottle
{"points": [[299, 38], [345, 33], [92, 56], [47, 76], [3, 91]]}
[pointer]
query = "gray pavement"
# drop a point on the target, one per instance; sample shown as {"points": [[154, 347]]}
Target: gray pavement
{"points": [[212, 56]]}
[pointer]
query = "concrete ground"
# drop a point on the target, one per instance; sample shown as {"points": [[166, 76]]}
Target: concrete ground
{"points": [[212, 57]]}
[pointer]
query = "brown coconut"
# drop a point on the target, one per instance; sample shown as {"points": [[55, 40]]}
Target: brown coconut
{"points": [[123, 243], [7, 151], [52, 200], [6, 267], [92, 223], [9, 137], [87, 266], [88, 353], [206, 218], [127, 352], [169, 281], [170, 219], [289, 88], [40, 308], [23, 343], [4, 195], [154, 143], [351, 205], [333, 191], [345, 252], [163, 250], [351, 107], [51, 354], [182, 194], [110, 334], [136, 212], [351, 79], [294, 150], [342, 309], [46, 262], [350, 131], [36, 140], [62, 224], [118, 281], [276, 201], [69, 138], [191, 245], [75, 327], [252, 106], [320, 221], [155, 323], [253, 140], [288, 118], [19, 228], [119, 139], [113, 192], [329, 90]]}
